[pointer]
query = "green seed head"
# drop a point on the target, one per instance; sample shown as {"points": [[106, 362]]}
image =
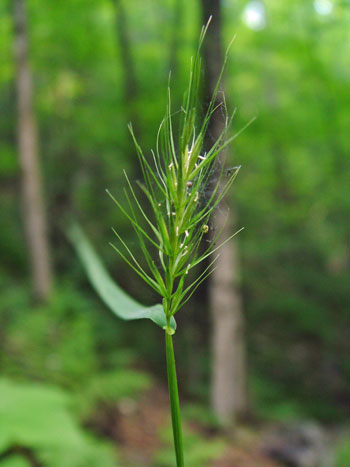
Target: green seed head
{"points": [[182, 194]]}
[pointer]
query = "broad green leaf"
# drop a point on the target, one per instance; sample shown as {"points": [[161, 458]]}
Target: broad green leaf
{"points": [[39, 417], [16, 461], [110, 293]]}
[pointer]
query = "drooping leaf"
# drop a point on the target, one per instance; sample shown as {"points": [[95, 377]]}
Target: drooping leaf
{"points": [[119, 302]]}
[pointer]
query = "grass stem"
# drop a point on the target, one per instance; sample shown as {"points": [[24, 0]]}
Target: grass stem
{"points": [[174, 399]]}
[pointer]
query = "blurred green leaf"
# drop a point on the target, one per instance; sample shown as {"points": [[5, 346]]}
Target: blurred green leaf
{"points": [[8, 160], [15, 461], [199, 450], [37, 417], [113, 388], [342, 456]]}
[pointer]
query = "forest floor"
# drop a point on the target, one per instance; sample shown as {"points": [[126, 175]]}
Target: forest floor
{"points": [[138, 430]]}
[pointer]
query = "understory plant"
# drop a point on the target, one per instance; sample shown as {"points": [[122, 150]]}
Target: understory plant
{"points": [[182, 185]]}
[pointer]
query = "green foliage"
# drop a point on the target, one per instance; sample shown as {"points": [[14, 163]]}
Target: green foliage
{"points": [[113, 388], [201, 414], [37, 417], [198, 449], [293, 201], [292, 194], [117, 385], [270, 402], [15, 461], [57, 342], [342, 455]]}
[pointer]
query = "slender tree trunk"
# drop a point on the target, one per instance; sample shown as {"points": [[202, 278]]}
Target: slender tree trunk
{"points": [[228, 392], [33, 204]]}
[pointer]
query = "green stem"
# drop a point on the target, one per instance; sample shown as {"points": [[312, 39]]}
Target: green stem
{"points": [[174, 400]]}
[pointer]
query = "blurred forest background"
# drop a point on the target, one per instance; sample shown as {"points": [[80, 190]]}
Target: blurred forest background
{"points": [[79, 387]]}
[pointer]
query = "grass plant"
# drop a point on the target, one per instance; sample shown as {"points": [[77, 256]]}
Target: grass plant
{"points": [[182, 183], [178, 184]]}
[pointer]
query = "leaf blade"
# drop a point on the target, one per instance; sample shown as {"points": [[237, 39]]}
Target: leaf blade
{"points": [[118, 301]]}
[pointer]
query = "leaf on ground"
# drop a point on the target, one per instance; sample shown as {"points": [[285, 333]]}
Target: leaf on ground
{"points": [[40, 418]]}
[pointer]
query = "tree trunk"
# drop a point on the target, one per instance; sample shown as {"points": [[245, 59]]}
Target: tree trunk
{"points": [[33, 205], [228, 391]]}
